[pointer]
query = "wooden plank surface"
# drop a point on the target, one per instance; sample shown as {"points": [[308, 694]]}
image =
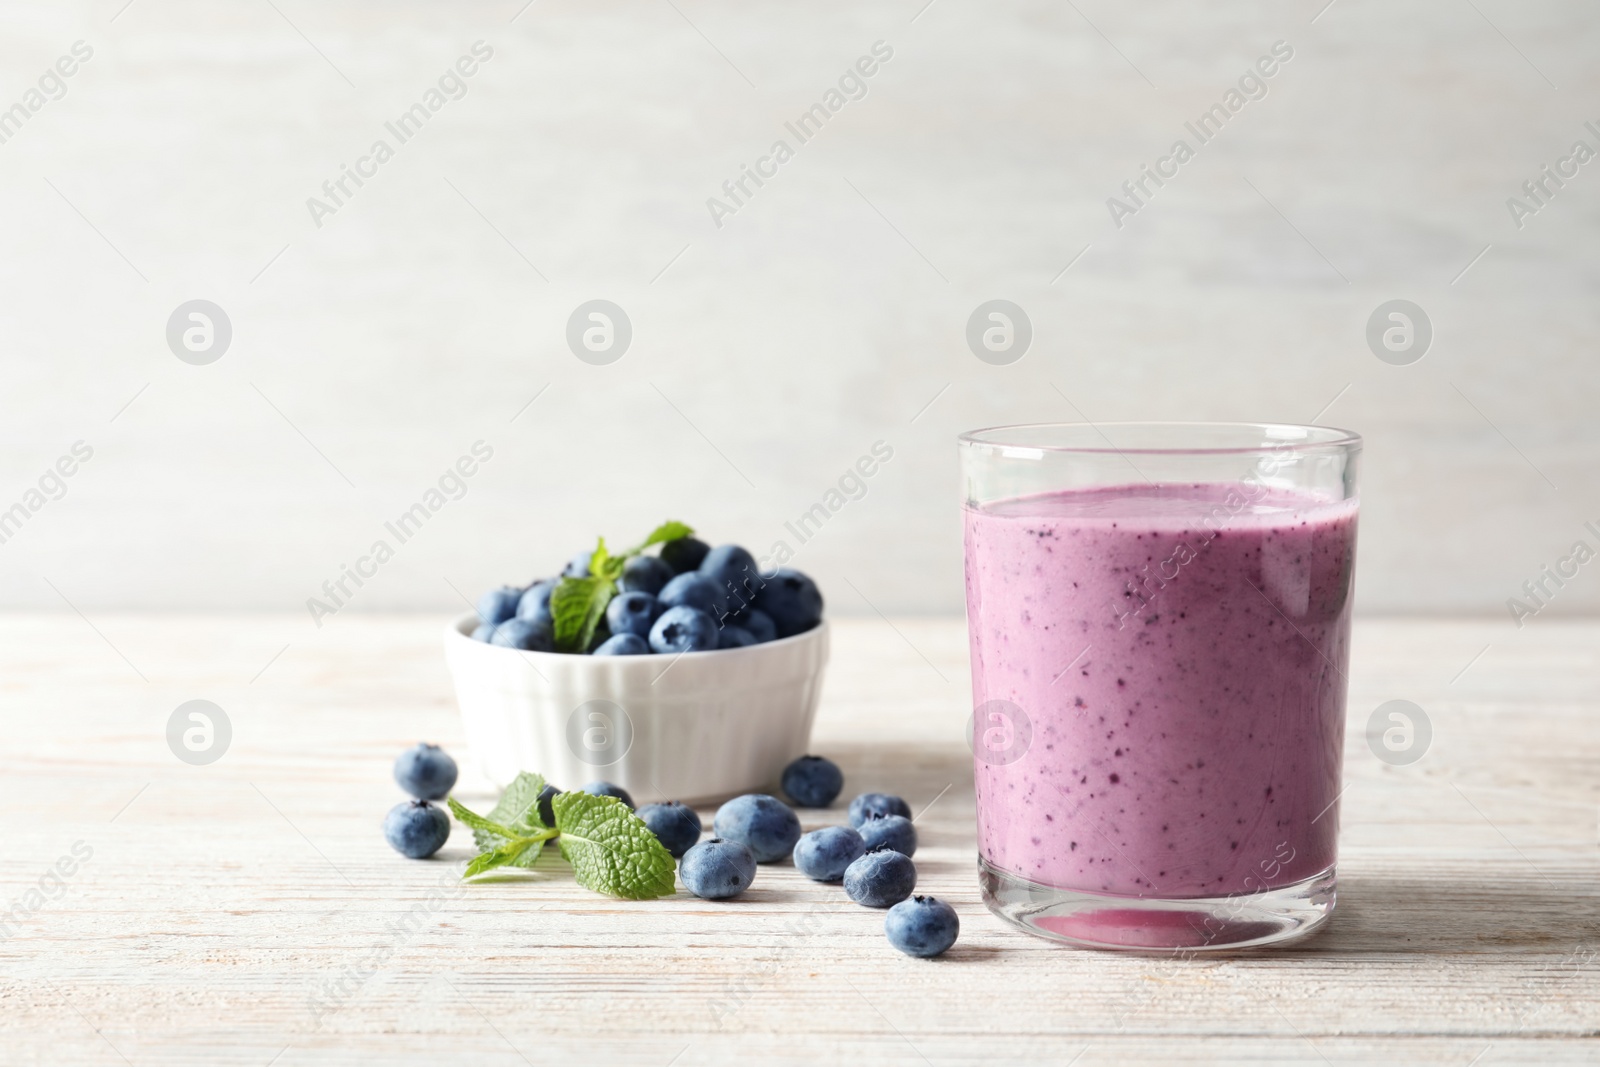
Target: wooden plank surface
{"points": [[249, 912]]}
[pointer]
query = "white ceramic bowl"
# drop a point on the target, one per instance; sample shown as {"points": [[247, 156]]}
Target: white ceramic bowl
{"points": [[694, 727]]}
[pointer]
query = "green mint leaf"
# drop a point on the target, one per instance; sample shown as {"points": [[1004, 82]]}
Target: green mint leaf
{"points": [[600, 561], [611, 849], [519, 853], [517, 809], [577, 606], [477, 822], [667, 531]]}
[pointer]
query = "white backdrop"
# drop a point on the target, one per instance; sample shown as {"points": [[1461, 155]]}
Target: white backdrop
{"points": [[374, 345]]}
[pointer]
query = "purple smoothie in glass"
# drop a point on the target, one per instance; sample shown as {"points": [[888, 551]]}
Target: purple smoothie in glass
{"points": [[1174, 648]]}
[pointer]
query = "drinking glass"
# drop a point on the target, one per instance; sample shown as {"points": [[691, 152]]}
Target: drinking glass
{"points": [[1159, 618]]}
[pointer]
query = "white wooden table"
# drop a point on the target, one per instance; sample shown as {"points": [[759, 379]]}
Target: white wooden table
{"points": [[247, 912]]}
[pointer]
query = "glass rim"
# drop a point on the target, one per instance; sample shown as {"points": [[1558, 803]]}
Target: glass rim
{"points": [[1298, 437]]}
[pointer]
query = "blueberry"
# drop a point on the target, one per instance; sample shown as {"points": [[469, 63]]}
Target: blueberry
{"points": [[759, 623], [764, 823], [880, 803], [484, 631], [735, 637], [683, 629], [606, 789], [792, 600], [578, 566], [416, 828], [623, 645], [425, 771], [602, 634], [893, 832], [675, 825], [922, 926], [645, 574], [823, 855], [736, 575], [535, 603], [520, 633], [880, 879], [547, 813], [717, 869], [498, 605], [632, 613], [689, 591], [813, 781], [685, 554]]}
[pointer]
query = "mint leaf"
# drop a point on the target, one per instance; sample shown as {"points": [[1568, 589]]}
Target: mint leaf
{"points": [[519, 853], [517, 809], [611, 849], [578, 604], [478, 823], [576, 607], [602, 564], [667, 531]]}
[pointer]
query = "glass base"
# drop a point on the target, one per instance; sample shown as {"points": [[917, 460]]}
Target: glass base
{"points": [[1153, 924]]}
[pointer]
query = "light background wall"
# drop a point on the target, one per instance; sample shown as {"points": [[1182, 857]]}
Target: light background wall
{"points": [[827, 314]]}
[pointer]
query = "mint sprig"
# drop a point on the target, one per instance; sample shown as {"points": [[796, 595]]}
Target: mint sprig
{"points": [[610, 848], [578, 604]]}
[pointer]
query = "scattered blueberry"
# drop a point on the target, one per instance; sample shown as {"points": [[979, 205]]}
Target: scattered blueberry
{"points": [[922, 926], [547, 812], [893, 832], [498, 605], [606, 789], [535, 603], [792, 600], [717, 869], [876, 803], [737, 577], [632, 613], [880, 879], [520, 633], [692, 590], [685, 554], [675, 825], [484, 631], [813, 781], [425, 771], [416, 828], [623, 645], [758, 623], [766, 824], [578, 566], [683, 629], [823, 855], [735, 637], [645, 574]]}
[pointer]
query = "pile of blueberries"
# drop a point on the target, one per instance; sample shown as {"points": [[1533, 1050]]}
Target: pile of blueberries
{"points": [[871, 856], [416, 828], [690, 598]]}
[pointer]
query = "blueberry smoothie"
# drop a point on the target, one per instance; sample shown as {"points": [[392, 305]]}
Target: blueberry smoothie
{"points": [[1178, 652]]}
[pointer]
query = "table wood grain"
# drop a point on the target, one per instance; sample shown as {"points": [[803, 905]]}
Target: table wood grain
{"points": [[248, 912]]}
